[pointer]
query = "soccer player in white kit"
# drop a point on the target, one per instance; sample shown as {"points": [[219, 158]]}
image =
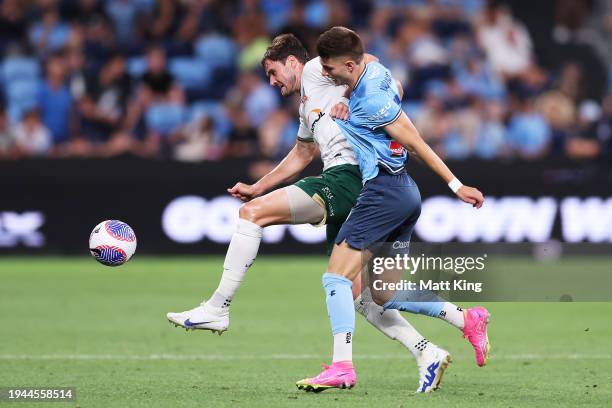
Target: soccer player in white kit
{"points": [[323, 200]]}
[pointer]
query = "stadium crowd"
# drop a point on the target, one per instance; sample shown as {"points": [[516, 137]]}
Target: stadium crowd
{"points": [[181, 79]]}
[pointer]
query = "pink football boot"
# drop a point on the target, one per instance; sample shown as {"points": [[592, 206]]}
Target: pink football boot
{"points": [[340, 374], [475, 331]]}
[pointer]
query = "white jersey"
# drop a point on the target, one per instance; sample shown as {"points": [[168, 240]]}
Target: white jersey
{"points": [[319, 94]]}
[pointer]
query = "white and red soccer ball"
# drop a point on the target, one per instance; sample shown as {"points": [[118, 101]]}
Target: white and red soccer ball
{"points": [[112, 242]]}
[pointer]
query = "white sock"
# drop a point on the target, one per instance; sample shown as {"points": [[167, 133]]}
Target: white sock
{"points": [[240, 255], [343, 347], [392, 324], [453, 314]]}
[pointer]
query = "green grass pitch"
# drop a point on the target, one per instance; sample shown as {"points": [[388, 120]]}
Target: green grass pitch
{"points": [[71, 322]]}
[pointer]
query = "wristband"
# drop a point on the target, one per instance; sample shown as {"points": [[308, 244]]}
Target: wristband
{"points": [[455, 185], [344, 100]]}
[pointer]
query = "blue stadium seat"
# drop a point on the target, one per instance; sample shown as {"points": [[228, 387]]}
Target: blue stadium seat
{"points": [[190, 72], [55, 39], [137, 66], [165, 118], [216, 50], [20, 96], [20, 68]]}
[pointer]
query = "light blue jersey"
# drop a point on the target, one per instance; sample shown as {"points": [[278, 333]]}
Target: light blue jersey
{"points": [[374, 103]]}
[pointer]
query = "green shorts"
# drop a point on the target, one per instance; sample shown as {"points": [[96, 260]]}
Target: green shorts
{"points": [[336, 190]]}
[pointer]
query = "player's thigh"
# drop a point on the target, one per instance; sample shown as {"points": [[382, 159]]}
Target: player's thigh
{"points": [[347, 261], [269, 209], [288, 205], [303, 207]]}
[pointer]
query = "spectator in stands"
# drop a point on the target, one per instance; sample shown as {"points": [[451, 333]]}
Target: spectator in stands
{"points": [[50, 34], [601, 25], [421, 50], [462, 64], [466, 121], [560, 113], [434, 121], [158, 85], [161, 98], [242, 137], [102, 108], [166, 17], [249, 104], [76, 74], [603, 128], [124, 16], [7, 137], [98, 42], [594, 134], [56, 103], [570, 82], [276, 135], [13, 26], [529, 134], [84, 12], [250, 34], [197, 141], [506, 41], [32, 138], [491, 137]]}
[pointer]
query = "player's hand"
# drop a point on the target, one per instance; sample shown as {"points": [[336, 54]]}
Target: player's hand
{"points": [[339, 111], [245, 192], [470, 195]]}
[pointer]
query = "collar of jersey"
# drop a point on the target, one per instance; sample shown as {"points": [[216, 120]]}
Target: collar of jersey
{"points": [[360, 77]]}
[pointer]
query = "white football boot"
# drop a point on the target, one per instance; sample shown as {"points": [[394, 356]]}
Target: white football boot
{"points": [[202, 317], [432, 364]]}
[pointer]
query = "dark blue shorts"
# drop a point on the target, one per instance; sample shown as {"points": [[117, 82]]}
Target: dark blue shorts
{"points": [[387, 209]]}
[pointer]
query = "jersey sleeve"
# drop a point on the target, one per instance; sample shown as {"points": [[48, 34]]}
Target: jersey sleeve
{"points": [[380, 105], [381, 109], [304, 134]]}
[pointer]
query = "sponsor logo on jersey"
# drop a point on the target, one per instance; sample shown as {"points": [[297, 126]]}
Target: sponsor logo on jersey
{"points": [[396, 148], [318, 115], [381, 113]]}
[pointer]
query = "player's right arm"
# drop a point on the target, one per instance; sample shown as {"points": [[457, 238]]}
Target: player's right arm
{"points": [[289, 168], [403, 131]]}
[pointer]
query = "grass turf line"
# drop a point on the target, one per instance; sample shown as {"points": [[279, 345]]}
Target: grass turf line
{"points": [[69, 308]]}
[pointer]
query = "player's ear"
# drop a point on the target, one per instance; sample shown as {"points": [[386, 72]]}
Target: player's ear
{"points": [[350, 65], [291, 61]]}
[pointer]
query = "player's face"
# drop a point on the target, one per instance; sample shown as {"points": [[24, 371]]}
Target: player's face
{"points": [[338, 69], [282, 76]]}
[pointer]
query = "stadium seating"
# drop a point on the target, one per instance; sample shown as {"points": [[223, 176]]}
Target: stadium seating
{"points": [[165, 118]]}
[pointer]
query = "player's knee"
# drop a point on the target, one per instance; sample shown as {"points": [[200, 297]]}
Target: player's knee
{"points": [[249, 211], [253, 212]]}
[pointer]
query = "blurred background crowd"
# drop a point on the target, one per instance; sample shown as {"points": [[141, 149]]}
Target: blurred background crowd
{"points": [[181, 79]]}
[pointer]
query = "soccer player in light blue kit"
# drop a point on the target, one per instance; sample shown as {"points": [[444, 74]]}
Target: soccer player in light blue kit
{"points": [[386, 210]]}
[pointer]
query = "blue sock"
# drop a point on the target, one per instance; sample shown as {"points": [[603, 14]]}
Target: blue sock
{"points": [[339, 298], [418, 302]]}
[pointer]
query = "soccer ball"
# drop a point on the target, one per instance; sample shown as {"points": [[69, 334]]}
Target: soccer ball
{"points": [[112, 242]]}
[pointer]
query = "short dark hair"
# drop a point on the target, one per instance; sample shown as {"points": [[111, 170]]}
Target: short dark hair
{"points": [[282, 47], [340, 42]]}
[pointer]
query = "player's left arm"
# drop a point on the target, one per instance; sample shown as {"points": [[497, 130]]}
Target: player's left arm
{"points": [[403, 131]]}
